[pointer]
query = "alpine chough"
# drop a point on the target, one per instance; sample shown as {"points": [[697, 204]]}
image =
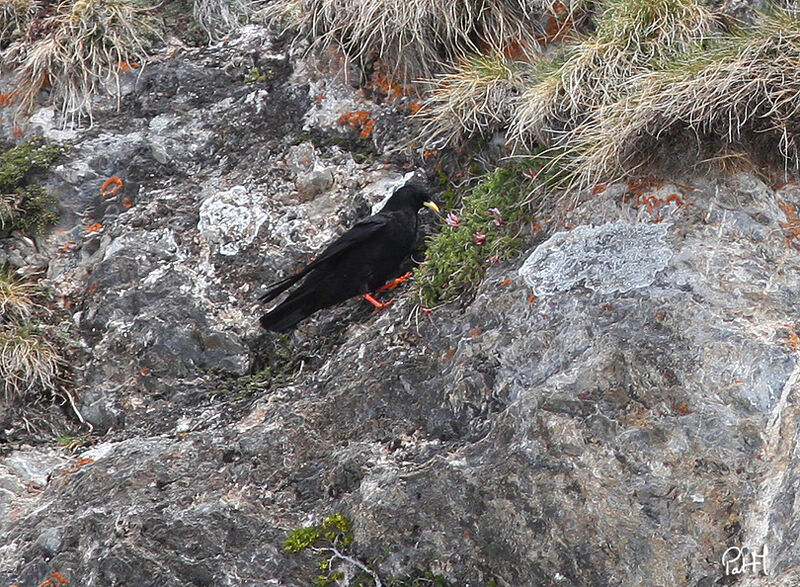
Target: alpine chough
{"points": [[357, 263]]}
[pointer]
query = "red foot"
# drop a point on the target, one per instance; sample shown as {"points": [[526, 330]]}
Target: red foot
{"points": [[394, 283], [378, 305]]}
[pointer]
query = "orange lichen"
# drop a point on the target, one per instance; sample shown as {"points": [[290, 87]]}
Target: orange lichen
{"points": [[96, 227], [355, 119], [111, 186], [55, 578], [67, 247], [360, 119], [638, 195], [368, 126], [514, 50], [448, 356], [127, 203], [640, 185], [506, 282], [76, 466], [429, 154], [8, 99], [683, 410], [414, 107], [16, 131], [389, 86], [559, 23], [92, 288], [792, 224], [128, 66], [675, 198], [794, 340]]}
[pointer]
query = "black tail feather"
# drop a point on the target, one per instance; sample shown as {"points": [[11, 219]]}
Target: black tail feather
{"points": [[280, 287], [288, 313]]}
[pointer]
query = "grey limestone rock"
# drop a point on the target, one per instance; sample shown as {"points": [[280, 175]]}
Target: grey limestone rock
{"points": [[616, 407]]}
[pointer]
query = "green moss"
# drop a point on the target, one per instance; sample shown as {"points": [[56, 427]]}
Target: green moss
{"points": [[72, 441], [421, 579], [37, 210], [25, 206], [277, 364], [17, 162], [497, 209], [334, 530], [256, 77]]}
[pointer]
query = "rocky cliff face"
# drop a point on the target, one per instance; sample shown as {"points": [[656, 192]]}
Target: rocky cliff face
{"points": [[616, 407]]}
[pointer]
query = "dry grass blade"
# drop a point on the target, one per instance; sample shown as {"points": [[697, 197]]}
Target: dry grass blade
{"points": [[596, 70], [82, 51], [743, 88], [476, 98], [415, 37], [14, 15], [16, 298], [218, 17], [27, 362]]}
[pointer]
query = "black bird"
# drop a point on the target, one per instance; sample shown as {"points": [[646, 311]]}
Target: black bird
{"points": [[357, 263]]}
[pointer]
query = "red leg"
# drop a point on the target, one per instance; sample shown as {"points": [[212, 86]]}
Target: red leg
{"points": [[378, 305], [394, 283]]}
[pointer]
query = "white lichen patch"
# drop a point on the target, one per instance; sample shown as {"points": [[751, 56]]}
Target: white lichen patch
{"points": [[230, 220], [614, 257]]}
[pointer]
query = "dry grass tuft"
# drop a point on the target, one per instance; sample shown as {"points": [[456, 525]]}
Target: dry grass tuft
{"points": [[477, 98], [28, 361], [743, 88], [415, 37], [218, 17], [75, 52], [596, 70], [14, 16], [16, 298]]}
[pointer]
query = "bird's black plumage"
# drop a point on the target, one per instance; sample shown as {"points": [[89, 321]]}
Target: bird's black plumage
{"points": [[358, 262]]}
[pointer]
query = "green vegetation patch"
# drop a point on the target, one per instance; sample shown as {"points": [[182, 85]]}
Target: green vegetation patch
{"points": [[334, 530], [24, 206], [487, 228], [277, 365], [330, 539]]}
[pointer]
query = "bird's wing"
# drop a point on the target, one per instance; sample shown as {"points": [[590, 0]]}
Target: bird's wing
{"points": [[359, 233]]}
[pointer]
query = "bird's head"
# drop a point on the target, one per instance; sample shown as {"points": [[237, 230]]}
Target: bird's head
{"points": [[410, 197]]}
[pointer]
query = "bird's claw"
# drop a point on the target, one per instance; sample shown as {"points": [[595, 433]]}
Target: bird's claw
{"points": [[378, 305], [394, 282]]}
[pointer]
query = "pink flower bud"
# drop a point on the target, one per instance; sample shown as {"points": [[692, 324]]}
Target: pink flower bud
{"points": [[452, 220]]}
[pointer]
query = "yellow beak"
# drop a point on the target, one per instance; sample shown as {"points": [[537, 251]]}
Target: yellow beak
{"points": [[432, 206]]}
